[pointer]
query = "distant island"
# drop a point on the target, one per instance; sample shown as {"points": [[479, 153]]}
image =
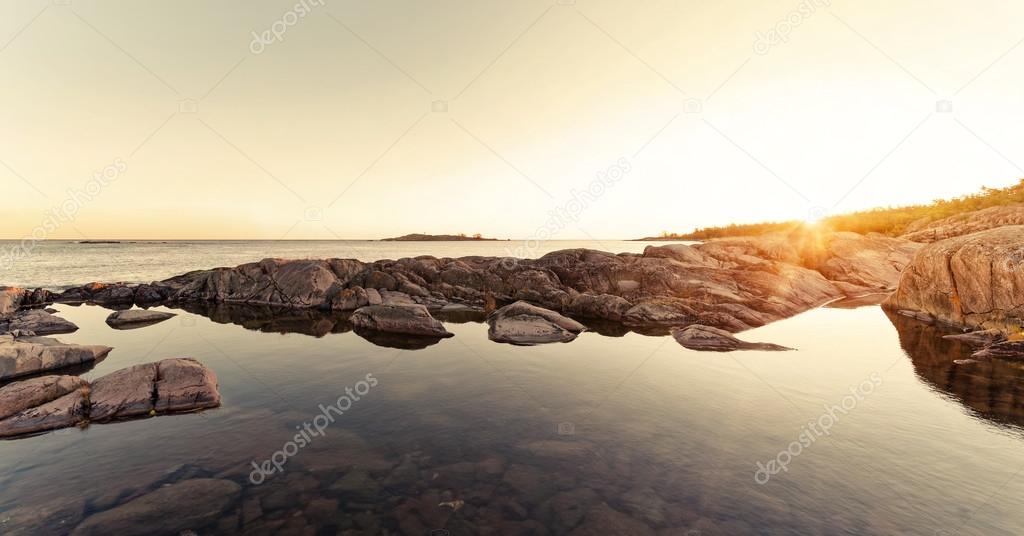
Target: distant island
{"points": [[100, 242], [889, 221], [461, 237]]}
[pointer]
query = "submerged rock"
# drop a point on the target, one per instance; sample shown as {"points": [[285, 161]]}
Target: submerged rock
{"points": [[525, 324], [708, 339], [136, 318], [189, 505], [24, 356], [971, 281], [1005, 350], [983, 338], [406, 319]]}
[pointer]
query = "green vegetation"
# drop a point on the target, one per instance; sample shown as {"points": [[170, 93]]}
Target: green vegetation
{"points": [[892, 221]]}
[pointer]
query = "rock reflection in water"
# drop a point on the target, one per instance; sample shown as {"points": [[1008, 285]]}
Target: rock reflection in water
{"points": [[993, 389]]}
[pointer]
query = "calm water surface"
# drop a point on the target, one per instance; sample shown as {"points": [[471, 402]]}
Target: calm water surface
{"points": [[667, 436]]}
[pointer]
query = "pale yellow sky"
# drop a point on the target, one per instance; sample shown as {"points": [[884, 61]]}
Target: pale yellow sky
{"points": [[369, 119]]}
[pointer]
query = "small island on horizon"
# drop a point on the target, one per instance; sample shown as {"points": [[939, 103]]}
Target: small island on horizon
{"points": [[419, 237]]}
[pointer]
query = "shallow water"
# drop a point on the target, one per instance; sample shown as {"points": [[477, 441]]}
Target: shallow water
{"points": [[58, 264], [665, 435]]}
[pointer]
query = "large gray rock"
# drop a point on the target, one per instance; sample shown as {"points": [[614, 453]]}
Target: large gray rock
{"points": [[37, 321], [171, 385], [974, 281], [708, 339], [190, 505], [32, 355], [404, 319], [136, 318], [525, 324]]}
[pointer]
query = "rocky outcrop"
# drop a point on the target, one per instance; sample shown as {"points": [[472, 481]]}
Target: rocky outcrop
{"points": [[526, 325], [136, 318], [23, 356], [406, 319], [1013, 350], [967, 223], [184, 507], [37, 321], [708, 339], [53, 402], [733, 284], [974, 281]]}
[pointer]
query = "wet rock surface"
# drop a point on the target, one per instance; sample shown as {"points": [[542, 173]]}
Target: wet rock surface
{"points": [[1004, 350], [524, 324], [708, 339], [136, 318]]}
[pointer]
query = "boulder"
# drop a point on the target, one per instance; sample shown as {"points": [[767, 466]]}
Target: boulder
{"points": [[186, 506], [709, 339], [974, 281], [37, 321], [32, 355], [408, 319], [171, 385], [136, 318], [524, 324]]}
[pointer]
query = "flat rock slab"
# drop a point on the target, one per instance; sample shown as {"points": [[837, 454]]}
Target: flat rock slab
{"points": [[409, 319], [38, 321], [708, 339], [185, 385], [189, 505], [524, 324], [128, 392], [136, 318], [63, 412], [32, 355], [980, 339]]}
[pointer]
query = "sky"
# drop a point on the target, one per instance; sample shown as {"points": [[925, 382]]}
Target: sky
{"points": [[558, 120]]}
